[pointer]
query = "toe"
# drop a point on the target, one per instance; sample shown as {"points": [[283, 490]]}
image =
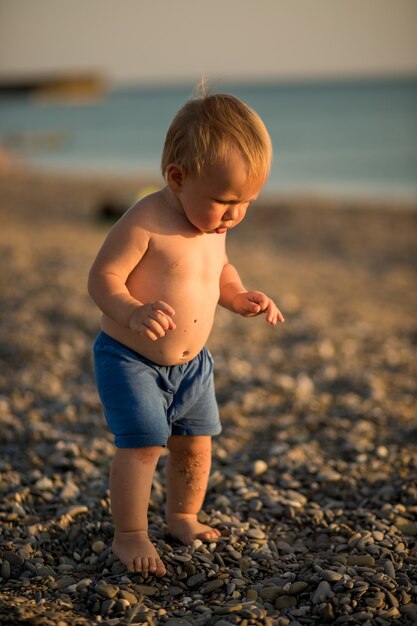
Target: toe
{"points": [[160, 568], [211, 533], [145, 566], [206, 535], [152, 565]]}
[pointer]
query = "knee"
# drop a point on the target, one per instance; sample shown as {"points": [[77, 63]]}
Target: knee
{"points": [[147, 456], [189, 446]]}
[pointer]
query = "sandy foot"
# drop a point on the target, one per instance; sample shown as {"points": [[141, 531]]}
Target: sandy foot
{"points": [[186, 528]]}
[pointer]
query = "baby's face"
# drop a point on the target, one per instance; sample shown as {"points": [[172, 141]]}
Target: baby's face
{"points": [[219, 198]]}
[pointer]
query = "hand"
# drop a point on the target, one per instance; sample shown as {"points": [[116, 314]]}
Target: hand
{"points": [[152, 320], [252, 303]]}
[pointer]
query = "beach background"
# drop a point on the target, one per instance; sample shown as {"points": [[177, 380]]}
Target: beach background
{"points": [[314, 478]]}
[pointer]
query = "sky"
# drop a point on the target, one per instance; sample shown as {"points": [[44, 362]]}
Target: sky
{"points": [[160, 41]]}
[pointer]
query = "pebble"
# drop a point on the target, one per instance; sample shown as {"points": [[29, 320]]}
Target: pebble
{"points": [[127, 595], [65, 581], [406, 526], [322, 593], [44, 484], [197, 579], [98, 547], [211, 585], [270, 593], [362, 560], [389, 569], [285, 602], [147, 590], [5, 570], [255, 533], [259, 467], [330, 575], [106, 590]]}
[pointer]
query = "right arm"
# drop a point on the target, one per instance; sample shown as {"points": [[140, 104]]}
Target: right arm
{"points": [[123, 249]]}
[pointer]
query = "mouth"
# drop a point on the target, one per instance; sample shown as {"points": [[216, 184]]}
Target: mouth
{"points": [[220, 231]]}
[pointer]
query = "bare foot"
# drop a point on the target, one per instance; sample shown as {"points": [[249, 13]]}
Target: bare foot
{"points": [[137, 552], [187, 528]]}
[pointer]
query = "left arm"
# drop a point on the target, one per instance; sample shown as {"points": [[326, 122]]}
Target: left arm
{"points": [[235, 297]]}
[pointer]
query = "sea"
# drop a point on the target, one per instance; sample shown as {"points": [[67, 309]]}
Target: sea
{"points": [[340, 138]]}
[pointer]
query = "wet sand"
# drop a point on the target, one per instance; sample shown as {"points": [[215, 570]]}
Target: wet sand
{"points": [[314, 477]]}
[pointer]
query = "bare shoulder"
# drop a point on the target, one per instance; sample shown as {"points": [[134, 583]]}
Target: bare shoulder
{"points": [[147, 213]]}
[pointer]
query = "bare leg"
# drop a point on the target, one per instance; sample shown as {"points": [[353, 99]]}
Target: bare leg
{"points": [[131, 476], [188, 469]]}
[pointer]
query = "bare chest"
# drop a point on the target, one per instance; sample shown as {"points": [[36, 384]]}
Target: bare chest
{"points": [[196, 260]]}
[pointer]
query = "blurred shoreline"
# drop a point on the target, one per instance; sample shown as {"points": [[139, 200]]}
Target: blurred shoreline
{"points": [[123, 190]]}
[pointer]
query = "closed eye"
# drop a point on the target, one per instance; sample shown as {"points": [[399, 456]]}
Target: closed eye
{"points": [[230, 202]]}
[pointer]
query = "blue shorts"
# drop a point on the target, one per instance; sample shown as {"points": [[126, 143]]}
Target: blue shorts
{"points": [[144, 403]]}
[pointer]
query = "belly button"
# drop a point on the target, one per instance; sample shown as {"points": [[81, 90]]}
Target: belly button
{"points": [[185, 353]]}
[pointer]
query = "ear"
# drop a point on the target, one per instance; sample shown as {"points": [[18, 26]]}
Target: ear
{"points": [[175, 176]]}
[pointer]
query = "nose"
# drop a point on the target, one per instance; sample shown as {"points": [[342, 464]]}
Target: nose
{"points": [[232, 213]]}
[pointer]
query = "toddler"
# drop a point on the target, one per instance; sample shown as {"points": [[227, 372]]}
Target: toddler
{"points": [[157, 279]]}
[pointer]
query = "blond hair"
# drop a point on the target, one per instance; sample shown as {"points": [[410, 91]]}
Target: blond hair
{"points": [[208, 127]]}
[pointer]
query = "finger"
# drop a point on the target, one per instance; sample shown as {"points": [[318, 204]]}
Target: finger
{"points": [[161, 319], [160, 305], [277, 314], [259, 298], [273, 314], [253, 307], [165, 315], [253, 311], [154, 327], [150, 333]]}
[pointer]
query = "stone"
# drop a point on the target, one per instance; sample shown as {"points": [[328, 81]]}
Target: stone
{"points": [[212, 585], [406, 526], [322, 593], [330, 575], [146, 590], [107, 606], [362, 560], [255, 533], [98, 547], [44, 484], [259, 467], [270, 593], [106, 590], [283, 546], [297, 587], [65, 581], [227, 608], [127, 595], [389, 568], [5, 570], [197, 579], [285, 602]]}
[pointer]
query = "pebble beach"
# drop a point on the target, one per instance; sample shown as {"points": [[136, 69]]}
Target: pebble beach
{"points": [[314, 478]]}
